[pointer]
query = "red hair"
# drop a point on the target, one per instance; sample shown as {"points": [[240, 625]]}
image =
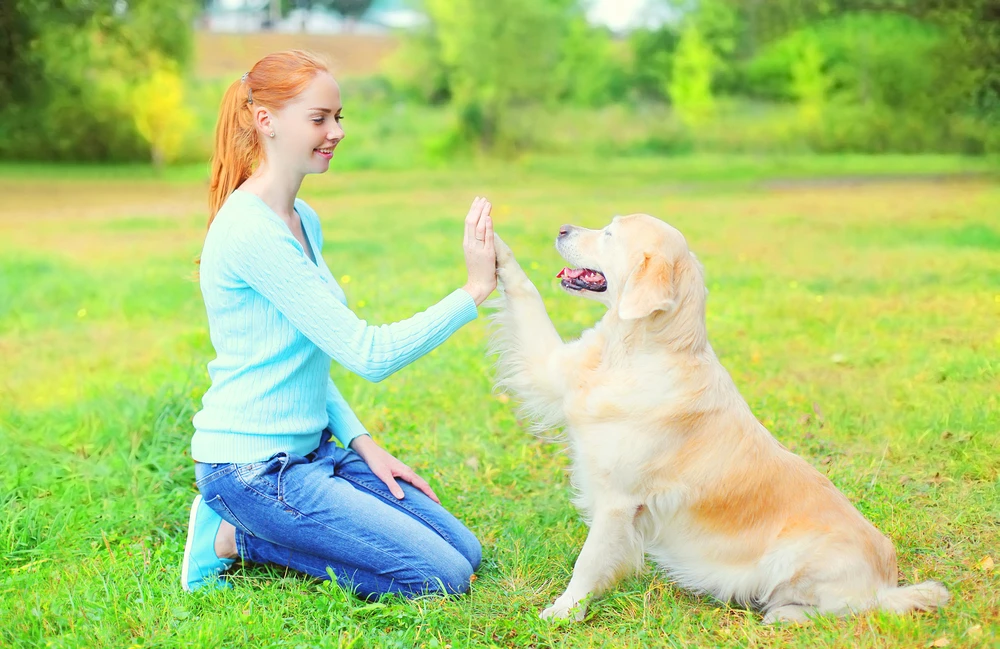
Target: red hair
{"points": [[272, 82]]}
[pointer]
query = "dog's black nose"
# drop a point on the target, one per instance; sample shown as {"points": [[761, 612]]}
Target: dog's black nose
{"points": [[563, 230]]}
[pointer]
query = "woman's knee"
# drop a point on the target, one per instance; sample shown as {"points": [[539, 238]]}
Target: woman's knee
{"points": [[472, 550], [451, 575]]}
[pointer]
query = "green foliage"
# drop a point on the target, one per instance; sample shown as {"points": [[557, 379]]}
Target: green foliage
{"points": [[652, 61], [871, 58], [416, 69], [851, 75], [882, 82], [86, 58], [810, 84], [493, 57], [161, 114], [718, 24], [590, 70], [690, 85]]}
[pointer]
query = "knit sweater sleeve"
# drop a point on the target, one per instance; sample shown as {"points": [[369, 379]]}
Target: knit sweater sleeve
{"points": [[267, 257], [343, 422]]}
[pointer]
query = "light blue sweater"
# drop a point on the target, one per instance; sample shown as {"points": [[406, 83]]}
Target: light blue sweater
{"points": [[276, 319]]}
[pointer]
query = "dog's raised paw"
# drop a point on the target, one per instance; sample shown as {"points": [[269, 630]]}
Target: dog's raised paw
{"points": [[505, 256]]}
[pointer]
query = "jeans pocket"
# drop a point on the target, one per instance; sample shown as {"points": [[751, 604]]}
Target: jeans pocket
{"points": [[265, 477], [222, 509]]}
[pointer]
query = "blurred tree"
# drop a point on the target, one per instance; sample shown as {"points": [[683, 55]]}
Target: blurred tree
{"points": [[18, 68], [690, 87], [589, 70], [652, 60], [971, 48], [72, 64], [810, 84], [495, 55], [720, 26], [160, 114]]}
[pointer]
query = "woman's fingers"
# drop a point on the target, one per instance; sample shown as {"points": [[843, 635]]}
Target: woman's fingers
{"points": [[472, 219], [391, 483], [484, 218], [421, 484]]}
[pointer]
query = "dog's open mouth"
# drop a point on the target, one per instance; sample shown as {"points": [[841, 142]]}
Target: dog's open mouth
{"points": [[583, 279]]}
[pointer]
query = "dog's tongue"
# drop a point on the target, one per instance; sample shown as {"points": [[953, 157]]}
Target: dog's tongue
{"points": [[571, 273]]}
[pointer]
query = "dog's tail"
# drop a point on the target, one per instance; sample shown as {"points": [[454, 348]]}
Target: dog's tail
{"points": [[918, 597]]}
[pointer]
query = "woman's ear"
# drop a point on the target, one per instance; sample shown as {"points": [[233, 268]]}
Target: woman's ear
{"points": [[648, 288], [262, 120]]}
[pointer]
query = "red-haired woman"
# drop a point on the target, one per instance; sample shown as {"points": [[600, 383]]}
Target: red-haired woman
{"points": [[274, 486]]}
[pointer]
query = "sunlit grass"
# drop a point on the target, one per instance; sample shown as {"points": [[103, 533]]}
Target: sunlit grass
{"points": [[861, 322]]}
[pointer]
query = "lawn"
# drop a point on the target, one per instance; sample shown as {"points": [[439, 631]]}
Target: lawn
{"points": [[861, 320]]}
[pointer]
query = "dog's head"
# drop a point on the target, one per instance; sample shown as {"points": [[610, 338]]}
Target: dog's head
{"points": [[638, 266]]}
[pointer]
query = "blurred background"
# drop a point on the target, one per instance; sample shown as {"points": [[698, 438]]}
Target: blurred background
{"points": [[129, 81]]}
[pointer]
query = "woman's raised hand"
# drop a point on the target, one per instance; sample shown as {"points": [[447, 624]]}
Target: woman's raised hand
{"points": [[480, 253]]}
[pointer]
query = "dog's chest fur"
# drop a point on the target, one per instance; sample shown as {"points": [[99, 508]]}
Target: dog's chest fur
{"points": [[607, 389]]}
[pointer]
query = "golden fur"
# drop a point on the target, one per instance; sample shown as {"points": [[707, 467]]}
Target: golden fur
{"points": [[667, 459]]}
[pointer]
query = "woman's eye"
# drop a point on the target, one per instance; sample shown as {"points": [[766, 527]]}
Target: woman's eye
{"points": [[319, 120]]}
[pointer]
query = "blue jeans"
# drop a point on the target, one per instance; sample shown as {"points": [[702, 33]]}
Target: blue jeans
{"points": [[328, 510]]}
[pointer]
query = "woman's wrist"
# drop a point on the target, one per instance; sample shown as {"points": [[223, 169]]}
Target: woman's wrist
{"points": [[478, 293], [360, 443]]}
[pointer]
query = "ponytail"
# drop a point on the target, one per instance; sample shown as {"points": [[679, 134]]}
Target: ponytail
{"points": [[237, 145]]}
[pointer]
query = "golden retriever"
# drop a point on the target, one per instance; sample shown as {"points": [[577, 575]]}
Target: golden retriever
{"points": [[667, 458]]}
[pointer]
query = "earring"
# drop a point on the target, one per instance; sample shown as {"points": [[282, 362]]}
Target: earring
{"points": [[272, 133]]}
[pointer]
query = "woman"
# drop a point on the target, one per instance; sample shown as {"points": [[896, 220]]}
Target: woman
{"points": [[274, 487]]}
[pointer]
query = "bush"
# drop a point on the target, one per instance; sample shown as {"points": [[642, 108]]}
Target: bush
{"points": [[884, 59], [652, 53], [161, 114], [591, 70], [690, 86], [87, 58], [493, 58]]}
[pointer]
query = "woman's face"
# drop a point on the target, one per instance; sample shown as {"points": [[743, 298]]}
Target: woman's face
{"points": [[307, 129]]}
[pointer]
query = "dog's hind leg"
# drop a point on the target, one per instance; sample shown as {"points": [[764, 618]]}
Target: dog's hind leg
{"points": [[532, 356], [612, 550]]}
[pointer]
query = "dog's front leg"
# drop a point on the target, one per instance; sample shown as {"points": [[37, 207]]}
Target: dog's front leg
{"points": [[613, 549], [532, 360]]}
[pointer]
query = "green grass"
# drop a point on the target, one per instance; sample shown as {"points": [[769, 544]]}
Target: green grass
{"points": [[861, 322]]}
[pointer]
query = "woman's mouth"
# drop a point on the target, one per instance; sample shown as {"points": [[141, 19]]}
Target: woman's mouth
{"points": [[326, 153]]}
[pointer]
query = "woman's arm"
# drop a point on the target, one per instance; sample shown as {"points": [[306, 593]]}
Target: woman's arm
{"points": [[266, 256], [344, 424]]}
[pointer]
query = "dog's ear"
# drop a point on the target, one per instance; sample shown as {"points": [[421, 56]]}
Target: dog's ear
{"points": [[649, 288]]}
